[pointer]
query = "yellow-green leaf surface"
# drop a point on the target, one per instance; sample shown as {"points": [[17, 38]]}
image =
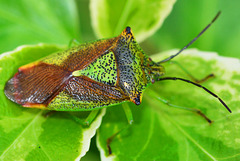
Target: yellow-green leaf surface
{"points": [[144, 17], [161, 132], [28, 134]]}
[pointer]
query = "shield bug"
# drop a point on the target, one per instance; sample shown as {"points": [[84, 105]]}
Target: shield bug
{"points": [[91, 76]]}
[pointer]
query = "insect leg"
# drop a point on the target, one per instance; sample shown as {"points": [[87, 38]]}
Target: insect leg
{"points": [[87, 121], [76, 119], [73, 43], [110, 139], [200, 86], [190, 75], [129, 116], [197, 111], [91, 117], [48, 113], [128, 113]]}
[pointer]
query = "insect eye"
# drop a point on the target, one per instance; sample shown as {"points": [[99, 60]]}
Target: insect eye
{"points": [[137, 100], [128, 30]]}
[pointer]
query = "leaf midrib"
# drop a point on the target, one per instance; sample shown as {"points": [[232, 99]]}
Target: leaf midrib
{"points": [[148, 138]]}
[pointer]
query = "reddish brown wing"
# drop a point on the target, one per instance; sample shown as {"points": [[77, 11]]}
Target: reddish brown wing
{"points": [[36, 84]]}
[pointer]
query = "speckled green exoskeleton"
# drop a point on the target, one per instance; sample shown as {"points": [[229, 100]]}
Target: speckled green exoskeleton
{"points": [[90, 76]]}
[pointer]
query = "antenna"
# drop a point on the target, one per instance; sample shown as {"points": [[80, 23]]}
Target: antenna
{"points": [[198, 85], [172, 56]]}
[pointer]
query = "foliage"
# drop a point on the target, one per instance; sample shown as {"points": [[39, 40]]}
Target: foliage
{"points": [[159, 132]]}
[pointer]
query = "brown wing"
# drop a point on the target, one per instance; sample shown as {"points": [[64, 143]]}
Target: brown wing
{"points": [[36, 84]]}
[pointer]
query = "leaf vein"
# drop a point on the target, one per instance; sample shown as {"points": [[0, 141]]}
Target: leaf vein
{"points": [[148, 138]]}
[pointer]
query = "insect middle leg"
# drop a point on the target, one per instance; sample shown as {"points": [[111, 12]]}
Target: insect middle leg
{"points": [[129, 116], [73, 43], [87, 121], [48, 113], [190, 75]]}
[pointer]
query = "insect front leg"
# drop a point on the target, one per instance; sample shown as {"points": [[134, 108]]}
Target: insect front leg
{"points": [[190, 75], [197, 111], [128, 113]]}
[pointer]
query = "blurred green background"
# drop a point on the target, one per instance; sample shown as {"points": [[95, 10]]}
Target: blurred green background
{"points": [[186, 20], [190, 17]]}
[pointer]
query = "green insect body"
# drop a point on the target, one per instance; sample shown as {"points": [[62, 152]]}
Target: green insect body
{"points": [[90, 76]]}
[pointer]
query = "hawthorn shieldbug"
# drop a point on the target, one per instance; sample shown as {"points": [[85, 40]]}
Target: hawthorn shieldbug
{"points": [[91, 76]]}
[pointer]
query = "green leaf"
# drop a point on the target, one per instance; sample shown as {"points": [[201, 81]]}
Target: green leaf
{"points": [[109, 18], [161, 132], [31, 22], [28, 134]]}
